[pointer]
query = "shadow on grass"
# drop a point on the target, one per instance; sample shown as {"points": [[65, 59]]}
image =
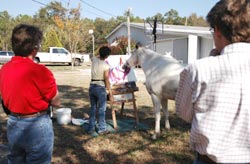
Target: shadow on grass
{"points": [[70, 141], [176, 122]]}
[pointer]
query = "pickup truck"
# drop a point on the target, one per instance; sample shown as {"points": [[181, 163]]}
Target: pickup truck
{"points": [[59, 55], [6, 56]]}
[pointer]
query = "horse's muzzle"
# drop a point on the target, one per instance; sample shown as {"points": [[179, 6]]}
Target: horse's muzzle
{"points": [[125, 66]]}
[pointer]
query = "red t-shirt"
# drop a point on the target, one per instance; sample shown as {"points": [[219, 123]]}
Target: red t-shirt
{"points": [[26, 87]]}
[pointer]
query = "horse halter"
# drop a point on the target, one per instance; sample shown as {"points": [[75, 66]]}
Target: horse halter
{"points": [[126, 65]]}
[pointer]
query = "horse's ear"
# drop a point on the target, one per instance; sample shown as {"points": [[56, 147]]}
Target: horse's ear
{"points": [[138, 45]]}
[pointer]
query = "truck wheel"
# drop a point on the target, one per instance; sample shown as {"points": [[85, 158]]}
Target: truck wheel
{"points": [[36, 60], [77, 62]]}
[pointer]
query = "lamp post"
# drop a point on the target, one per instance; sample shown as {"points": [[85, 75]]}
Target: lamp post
{"points": [[128, 24], [93, 40]]}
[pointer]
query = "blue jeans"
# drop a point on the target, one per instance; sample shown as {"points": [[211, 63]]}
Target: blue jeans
{"points": [[30, 140], [197, 160], [98, 99]]}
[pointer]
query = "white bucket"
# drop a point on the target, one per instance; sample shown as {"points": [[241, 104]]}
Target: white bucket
{"points": [[63, 116]]}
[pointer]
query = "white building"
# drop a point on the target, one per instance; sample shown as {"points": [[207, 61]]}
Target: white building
{"points": [[185, 43]]}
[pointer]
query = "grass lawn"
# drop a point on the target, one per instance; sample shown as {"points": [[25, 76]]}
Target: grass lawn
{"points": [[74, 146]]}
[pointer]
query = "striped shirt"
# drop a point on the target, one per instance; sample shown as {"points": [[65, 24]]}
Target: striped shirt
{"points": [[214, 95]]}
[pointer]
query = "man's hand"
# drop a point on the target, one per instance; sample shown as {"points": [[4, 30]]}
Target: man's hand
{"points": [[214, 52], [56, 100]]}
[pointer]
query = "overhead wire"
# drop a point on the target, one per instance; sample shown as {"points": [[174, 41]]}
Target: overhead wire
{"points": [[104, 12], [101, 16], [98, 9], [39, 2]]}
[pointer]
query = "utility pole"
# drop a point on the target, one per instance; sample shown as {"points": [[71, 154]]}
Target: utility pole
{"points": [[128, 25], [93, 41], [154, 32]]}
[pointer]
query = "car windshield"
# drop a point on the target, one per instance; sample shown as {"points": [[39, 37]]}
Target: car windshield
{"points": [[11, 53], [4, 53]]}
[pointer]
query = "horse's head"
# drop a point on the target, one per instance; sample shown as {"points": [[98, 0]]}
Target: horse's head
{"points": [[133, 60]]}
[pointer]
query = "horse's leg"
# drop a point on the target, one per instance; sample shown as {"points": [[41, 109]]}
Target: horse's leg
{"points": [[164, 104], [157, 110]]}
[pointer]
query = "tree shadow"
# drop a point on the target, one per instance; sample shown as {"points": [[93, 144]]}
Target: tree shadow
{"points": [[70, 140]]}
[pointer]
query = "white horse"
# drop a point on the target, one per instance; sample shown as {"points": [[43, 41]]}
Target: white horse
{"points": [[162, 79]]}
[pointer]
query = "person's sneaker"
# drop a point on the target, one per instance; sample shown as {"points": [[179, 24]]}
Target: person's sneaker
{"points": [[103, 132], [92, 133]]}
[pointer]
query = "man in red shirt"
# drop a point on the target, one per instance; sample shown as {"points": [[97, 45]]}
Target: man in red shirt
{"points": [[27, 90]]}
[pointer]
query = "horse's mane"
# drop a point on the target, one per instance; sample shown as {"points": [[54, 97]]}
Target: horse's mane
{"points": [[148, 51]]}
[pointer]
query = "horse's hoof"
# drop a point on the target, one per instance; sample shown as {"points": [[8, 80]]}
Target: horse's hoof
{"points": [[167, 127], [155, 136]]}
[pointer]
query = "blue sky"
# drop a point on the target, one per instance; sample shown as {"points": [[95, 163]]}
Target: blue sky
{"points": [[108, 8]]}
